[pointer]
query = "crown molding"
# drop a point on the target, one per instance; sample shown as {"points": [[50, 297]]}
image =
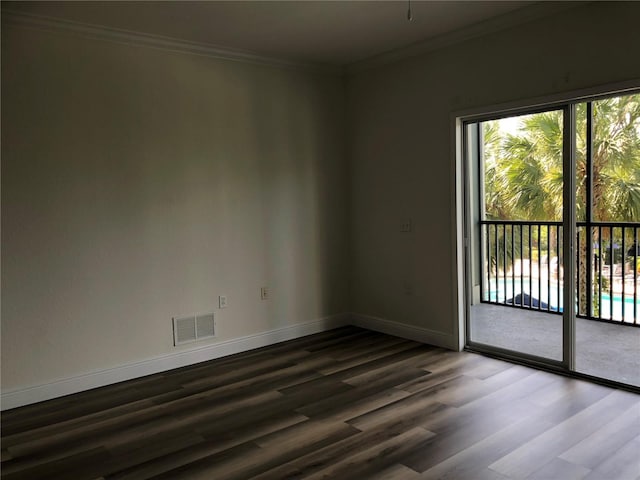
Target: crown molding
{"points": [[92, 31], [127, 37], [492, 25]]}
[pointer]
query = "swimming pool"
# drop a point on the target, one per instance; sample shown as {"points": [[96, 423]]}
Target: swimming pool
{"points": [[551, 294]]}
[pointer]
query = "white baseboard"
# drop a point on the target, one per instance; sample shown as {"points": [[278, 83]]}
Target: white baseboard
{"points": [[411, 332], [39, 393], [67, 386]]}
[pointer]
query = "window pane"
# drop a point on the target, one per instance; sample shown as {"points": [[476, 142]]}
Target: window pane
{"points": [[523, 167], [616, 159]]}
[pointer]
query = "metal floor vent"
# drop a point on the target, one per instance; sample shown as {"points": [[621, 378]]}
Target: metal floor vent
{"points": [[192, 329]]}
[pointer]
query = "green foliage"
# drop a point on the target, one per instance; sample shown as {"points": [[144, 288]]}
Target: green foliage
{"points": [[523, 171], [616, 158], [523, 175]]}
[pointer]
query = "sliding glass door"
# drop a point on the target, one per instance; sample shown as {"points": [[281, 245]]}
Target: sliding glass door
{"points": [[552, 227]]}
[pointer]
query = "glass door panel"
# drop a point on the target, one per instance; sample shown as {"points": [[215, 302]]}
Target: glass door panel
{"points": [[516, 247], [608, 230]]}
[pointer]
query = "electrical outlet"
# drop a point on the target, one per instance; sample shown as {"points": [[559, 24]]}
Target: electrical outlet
{"points": [[264, 293], [405, 226], [222, 301]]}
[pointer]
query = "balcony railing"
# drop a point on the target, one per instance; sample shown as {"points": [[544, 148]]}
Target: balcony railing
{"points": [[522, 268]]}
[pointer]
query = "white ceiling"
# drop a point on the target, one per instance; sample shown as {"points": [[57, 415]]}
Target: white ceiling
{"points": [[335, 33]]}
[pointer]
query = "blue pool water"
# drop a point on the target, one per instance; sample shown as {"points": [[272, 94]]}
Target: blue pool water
{"points": [[552, 295]]}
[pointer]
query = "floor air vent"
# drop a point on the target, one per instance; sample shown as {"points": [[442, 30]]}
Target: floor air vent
{"points": [[192, 329]]}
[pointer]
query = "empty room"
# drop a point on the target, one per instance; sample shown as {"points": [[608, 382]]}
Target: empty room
{"points": [[320, 239]]}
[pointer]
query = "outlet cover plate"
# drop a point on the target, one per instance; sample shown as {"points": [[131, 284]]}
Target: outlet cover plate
{"points": [[222, 301]]}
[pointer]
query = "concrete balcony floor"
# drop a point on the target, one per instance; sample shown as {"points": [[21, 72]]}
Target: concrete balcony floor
{"points": [[603, 350]]}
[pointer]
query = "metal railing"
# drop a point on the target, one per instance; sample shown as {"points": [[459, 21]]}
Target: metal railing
{"points": [[522, 268]]}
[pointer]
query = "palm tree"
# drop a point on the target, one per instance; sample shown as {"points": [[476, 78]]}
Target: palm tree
{"points": [[523, 175], [616, 159], [615, 177], [523, 170]]}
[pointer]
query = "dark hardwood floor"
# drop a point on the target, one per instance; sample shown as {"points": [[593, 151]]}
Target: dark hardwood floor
{"points": [[345, 404]]}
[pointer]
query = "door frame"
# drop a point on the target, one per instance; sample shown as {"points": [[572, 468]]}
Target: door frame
{"points": [[462, 287], [469, 221]]}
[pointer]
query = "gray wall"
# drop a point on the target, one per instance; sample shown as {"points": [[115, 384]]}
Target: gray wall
{"points": [[139, 184], [401, 150]]}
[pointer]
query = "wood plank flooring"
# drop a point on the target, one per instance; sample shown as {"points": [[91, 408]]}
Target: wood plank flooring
{"points": [[344, 404]]}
